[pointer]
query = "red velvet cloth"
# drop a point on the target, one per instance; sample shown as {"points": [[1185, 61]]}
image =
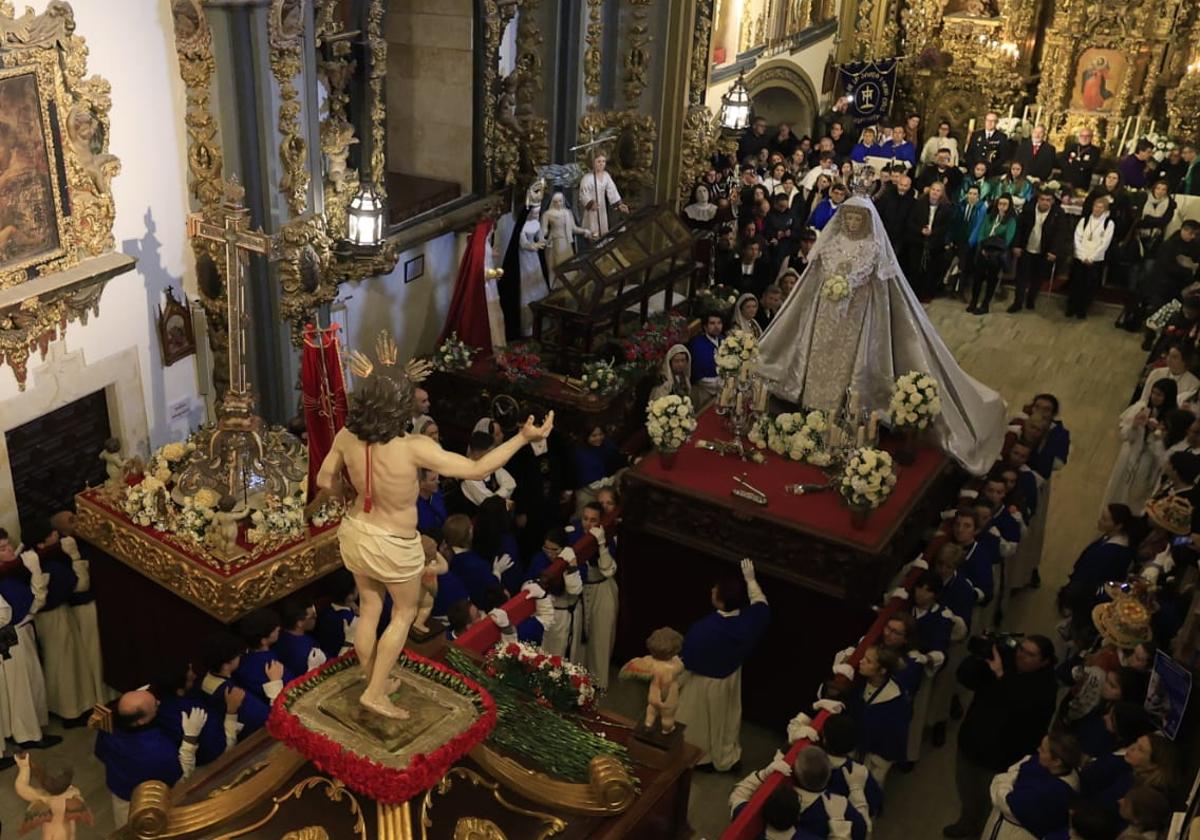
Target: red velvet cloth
{"points": [[468, 314], [749, 824], [324, 395], [824, 514]]}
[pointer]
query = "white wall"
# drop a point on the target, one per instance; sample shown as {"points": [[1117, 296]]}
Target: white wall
{"points": [[131, 44], [414, 312]]}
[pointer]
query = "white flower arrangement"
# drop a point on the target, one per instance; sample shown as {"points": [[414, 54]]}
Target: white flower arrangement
{"points": [[835, 288], [279, 519], [915, 401], [1161, 142], [796, 436], [148, 504], [1014, 127], [599, 377], [168, 459], [721, 296], [737, 352], [331, 511], [670, 420], [193, 519], [454, 354], [868, 478]]}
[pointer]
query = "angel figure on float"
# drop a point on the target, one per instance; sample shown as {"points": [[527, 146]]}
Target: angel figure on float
{"points": [[378, 536], [662, 667]]}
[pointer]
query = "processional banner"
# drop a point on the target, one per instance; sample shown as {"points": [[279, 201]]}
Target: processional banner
{"points": [[869, 87]]}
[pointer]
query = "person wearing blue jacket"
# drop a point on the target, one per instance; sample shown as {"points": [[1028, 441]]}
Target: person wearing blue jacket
{"points": [[881, 709], [336, 620], [221, 655], [1035, 793], [714, 649], [260, 672], [178, 694], [296, 647]]}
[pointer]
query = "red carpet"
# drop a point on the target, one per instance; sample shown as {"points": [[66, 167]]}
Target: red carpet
{"points": [[708, 475]]}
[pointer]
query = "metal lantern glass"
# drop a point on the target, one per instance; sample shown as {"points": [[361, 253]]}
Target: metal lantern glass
{"points": [[735, 106], [365, 218]]}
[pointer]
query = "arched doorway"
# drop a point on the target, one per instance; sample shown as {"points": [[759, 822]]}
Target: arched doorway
{"points": [[782, 92]]}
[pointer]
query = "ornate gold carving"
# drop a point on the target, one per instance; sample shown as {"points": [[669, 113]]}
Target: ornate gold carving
{"points": [[637, 60], [226, 598], [591, 53], [152, 814], [310, 832], [285, 28], [61, 284], [336, 69], [631, 156], [701, 50], [475, 828], [376, 76], [334, 789], [609, 791], [1183, 108], [515, 139]]}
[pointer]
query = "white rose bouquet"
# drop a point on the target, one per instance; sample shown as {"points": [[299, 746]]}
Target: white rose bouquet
{"points": [[332, 511], [868, 478], [670, 420], [454, 354], [599, 377], [915, 401], [738, 351], [169, 459], [719, 296], [194, 517], [148, 504], [835, 288], [796, 436], [278, 521]]}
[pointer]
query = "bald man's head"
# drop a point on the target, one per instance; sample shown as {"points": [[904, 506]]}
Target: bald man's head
{"points": [[136, 708]]}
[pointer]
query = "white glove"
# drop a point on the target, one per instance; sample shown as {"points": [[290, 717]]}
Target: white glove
{"points": [[979, 594], [857, 777], [918, 657], [501, 565], [920, 563], [845, 670], [834, 707], [533, 591], [597, 534], [500, 617], [804, 733], [567, 555], [348, 629], [32, 562], [842, 655], [70, 547], [193, 722], [835, 807], [779, 764], [316, 658], [898, 592], [748, 569], [83, 575]]}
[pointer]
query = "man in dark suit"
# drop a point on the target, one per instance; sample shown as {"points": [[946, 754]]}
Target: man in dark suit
{"points": [[752, 272], [1079, 160], [753, 140], [925, 232], [989, 144], [1036, 155], [894, 204], [941, 170], [1033, 246]]}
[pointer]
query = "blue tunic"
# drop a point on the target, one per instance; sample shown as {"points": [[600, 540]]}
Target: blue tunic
{"points": [[252, 714], [450, 589], [959, 597], [821, 214], [1027, 484], [18, 595], [839, 784], [537, 564], [1038, 799], [475, 572], [883, 716], [251, 673], [293, 651], [815, 820], [329, 630], [900, 151], [431, 513], [1101, 562], [1007, 525], [862, 151], [704, 358], [133, 756], [212, 737], [717, 645], [977, 565], [593, 463], [934, 630], [62, 581]]}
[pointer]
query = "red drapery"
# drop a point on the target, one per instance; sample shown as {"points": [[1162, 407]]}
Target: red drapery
{"points": [[468, 314], [324, 392]]}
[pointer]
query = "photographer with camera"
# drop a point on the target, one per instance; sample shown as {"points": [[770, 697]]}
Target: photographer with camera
{"points": [[1015, 693]]}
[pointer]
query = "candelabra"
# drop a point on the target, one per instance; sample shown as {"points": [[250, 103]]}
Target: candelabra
{"points": [[741, 401]]}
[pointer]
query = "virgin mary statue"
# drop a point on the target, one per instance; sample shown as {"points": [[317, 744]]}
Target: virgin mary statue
{"points": [[853, 322]]}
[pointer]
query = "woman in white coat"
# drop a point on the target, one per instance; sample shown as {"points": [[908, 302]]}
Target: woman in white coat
{"points": [[558, 232], [1176, 368], [533, 280], [1141, 428]]}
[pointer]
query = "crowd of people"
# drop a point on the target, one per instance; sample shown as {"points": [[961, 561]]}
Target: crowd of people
{"points": [[1062, 738], [960, 217]]}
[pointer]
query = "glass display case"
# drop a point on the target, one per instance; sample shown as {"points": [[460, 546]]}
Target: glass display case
{"points": [[643, 265]]}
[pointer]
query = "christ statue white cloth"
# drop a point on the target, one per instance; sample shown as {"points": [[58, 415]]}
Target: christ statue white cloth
{"points": [[596, 192], [853, 322]]}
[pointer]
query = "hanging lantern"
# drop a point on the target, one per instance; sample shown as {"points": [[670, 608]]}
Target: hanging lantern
{"points": [[364, 226], [735, 106]]}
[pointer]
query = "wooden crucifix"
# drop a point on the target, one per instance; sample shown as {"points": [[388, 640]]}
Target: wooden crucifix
{"points": [[239, 241]]}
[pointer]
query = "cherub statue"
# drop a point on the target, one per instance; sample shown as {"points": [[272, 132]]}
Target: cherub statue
{"points": [[435, 564], [114, 464], [336, 141], [378, 536], [224, 530], [55, 804], [662, 668]]}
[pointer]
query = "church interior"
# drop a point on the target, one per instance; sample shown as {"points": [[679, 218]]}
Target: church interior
{"points": [[600, 419]]}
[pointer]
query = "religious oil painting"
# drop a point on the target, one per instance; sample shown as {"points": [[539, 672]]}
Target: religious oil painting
{"points": [[1098, 78], [29, 217]]}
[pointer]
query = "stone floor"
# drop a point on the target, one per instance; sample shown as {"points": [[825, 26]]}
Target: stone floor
{"points": [[1089, 365]]}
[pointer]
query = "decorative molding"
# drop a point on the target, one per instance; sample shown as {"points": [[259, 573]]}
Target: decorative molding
{"points": [[591, 53], [336, 68], [285, 35], [631, 156], [701, 53], [75, 199], [637, 60], [515, 139], [376, 77]]}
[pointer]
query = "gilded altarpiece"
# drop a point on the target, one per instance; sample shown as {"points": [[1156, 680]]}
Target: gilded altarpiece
{"points": [[1102, 61]]}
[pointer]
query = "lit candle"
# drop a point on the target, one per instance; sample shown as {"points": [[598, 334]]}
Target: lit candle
{"points": [[1124, 134], [873, 427], [760, 396], [1025, 113], [1038, 118], [1010, 111], [1152, 123], [1137, 130], [728, 390], [970, 129]]}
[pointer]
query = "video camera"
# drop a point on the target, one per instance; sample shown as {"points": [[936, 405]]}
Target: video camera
{"points": [[982, 644]]}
